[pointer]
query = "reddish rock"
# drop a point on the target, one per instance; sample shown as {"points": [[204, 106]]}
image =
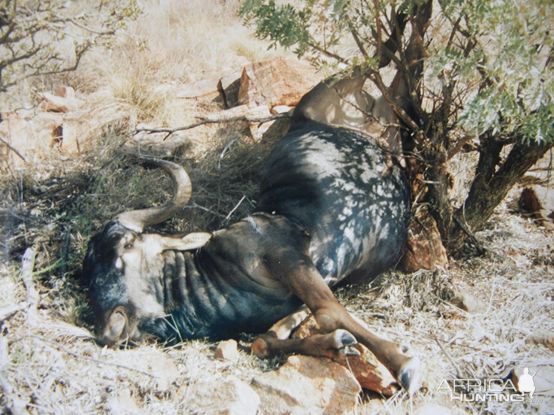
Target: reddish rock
{"points": [[539, 201], [278, 81], [229, 87], [368, 371], [227, 350], [424, 248], [307, 385]]}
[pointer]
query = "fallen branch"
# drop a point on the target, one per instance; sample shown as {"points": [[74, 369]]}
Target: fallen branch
{"points": [[27, 265], [208, 120]]}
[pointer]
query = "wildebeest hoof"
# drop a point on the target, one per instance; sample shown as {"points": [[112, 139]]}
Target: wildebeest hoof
{"points": [[345, 342], [409, 375], [261, 346]]}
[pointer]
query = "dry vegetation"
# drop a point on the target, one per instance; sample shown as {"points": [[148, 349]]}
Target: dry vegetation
{"points": [[51, 364]]}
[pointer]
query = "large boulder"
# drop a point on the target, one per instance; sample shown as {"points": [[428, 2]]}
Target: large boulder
{"points": [[278, 81], [539, 202], [368, 371], [307, 385]]}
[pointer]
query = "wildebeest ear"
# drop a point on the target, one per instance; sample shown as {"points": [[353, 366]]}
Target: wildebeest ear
{"points": [[193, 240]]}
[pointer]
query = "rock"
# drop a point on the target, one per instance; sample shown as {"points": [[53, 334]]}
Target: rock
{"points": [[424, 248], [14, 130], [230, 396], [281, 109], [229, 88], [206, 89], [227, 350], [368, 371], [31, 137], [307, 385], [539, 201], [65, 92], [73, 132], [278, 81], [63, 100], [467, 302], [124, 404], [257, 129], [542, 337]]}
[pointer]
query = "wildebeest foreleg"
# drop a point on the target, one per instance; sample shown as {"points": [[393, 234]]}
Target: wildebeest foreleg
{"points": [[276, 340], [299, 273]]}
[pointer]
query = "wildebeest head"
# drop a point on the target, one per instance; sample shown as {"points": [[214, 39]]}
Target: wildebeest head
{"points": [[124, 266]]}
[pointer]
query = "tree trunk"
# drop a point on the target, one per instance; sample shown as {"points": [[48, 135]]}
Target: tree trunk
{"points": [[489, 187]]}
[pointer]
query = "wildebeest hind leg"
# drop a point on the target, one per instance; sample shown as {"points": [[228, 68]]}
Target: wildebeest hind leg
{"points": [[305, 281]]}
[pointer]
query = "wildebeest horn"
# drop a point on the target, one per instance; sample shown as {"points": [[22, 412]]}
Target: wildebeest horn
{"points": [[137, 220]]}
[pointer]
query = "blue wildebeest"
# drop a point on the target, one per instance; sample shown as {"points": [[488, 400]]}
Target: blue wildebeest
{"points": [[333, 204]]}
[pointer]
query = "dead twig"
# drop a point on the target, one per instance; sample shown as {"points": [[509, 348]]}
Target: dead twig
{"points": [[208, 120], [13, 149], [27, 265], [235, 208], [458, 370]]}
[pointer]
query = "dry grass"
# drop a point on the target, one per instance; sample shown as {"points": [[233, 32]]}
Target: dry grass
{"points": [[56, 204]]}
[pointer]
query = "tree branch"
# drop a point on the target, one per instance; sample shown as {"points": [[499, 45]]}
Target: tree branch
{"points": [[207, 120]]}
